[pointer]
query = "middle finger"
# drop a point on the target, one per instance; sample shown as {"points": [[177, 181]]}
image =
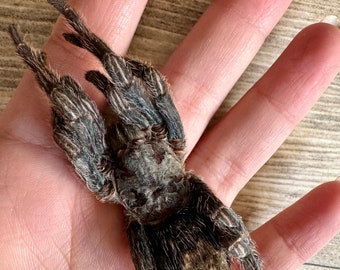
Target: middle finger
{"points": [[213, 56]]}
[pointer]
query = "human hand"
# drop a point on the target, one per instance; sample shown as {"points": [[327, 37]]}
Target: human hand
{"points": [[50, 220]]}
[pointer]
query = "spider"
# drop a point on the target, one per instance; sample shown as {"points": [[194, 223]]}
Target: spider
{"points": [[136, 159]]}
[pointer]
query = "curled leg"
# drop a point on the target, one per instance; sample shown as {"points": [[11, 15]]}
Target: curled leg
{"points": [[78, 127], [162, 101]]}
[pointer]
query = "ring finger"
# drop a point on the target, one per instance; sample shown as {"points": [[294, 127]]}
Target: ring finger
{"points": [[258, 124]]}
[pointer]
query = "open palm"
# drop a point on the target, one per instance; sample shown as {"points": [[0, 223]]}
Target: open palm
{"points": [[49, 219]]}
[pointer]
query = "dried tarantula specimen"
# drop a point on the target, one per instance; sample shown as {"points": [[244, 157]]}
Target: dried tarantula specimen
{"points": [[136, 159]]}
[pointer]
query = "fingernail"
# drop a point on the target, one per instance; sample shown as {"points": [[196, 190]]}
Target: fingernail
{"points": [[332, 19]]}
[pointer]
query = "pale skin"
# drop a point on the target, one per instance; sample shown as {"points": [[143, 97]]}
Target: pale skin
{"points": [[48, 219]]}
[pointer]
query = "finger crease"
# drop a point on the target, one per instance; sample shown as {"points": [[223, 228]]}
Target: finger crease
{"points": [[288, 117], [254, 24], [288, 241]]}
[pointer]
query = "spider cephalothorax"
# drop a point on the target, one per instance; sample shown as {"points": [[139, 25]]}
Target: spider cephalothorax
{"points": [[136, 159]]}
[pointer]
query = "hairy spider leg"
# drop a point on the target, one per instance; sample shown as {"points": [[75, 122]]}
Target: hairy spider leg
{"points": [[86, 39], [126, 94], [227, 226], [162, 100], [149, 96], [78, 128]]}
